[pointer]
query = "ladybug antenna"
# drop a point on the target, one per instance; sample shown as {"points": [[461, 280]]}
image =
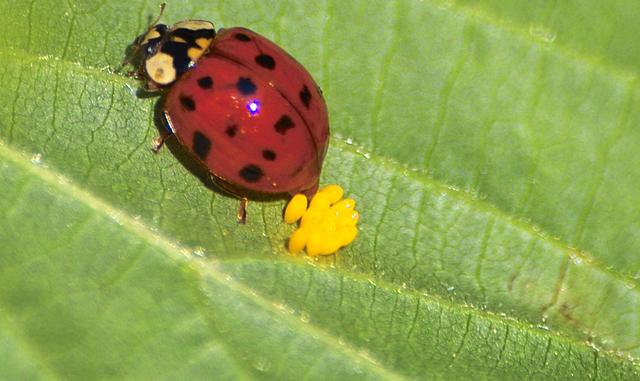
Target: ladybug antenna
{"points": [[136, 45], [162, 6]]}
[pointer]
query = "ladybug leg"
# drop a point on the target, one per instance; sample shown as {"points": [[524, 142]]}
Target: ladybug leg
{"points": [[134, 74], [151, 87], [159, 141], [242, 207], [242, 210], [165, 134]]}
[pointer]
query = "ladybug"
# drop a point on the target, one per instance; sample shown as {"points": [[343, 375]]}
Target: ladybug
{"points": [[241, 105]]}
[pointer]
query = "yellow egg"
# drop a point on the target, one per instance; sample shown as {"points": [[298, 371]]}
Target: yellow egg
{"points": [[326, 223], [330, 217], [320, 201], [344, 206], [331, 244], [311, 218], [315, 242], [296, 208], [298, 240], [334, 192], [347, 235], [349, 219]]}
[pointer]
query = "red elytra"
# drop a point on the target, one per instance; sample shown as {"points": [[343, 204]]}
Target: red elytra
{"points": [[252, 115]]}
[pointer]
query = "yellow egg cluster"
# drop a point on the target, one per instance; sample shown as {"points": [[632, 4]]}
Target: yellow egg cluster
{"points": [[328, 223]]}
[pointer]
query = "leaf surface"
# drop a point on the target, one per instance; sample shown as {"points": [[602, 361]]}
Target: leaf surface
{"points": [[490, 149]]}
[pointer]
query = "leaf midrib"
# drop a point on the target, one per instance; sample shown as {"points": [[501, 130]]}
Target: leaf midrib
{"points": [[205, 268], [448, 304], [208, 269]]}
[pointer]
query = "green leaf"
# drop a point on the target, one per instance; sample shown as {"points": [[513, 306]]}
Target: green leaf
{"points": [[490, 148]]}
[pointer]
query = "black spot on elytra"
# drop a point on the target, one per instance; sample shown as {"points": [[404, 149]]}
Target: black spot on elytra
{"points": [[246, 86], [269, 155], [231, 130], [305, 96], [187, 103], [201, 145], [205, 83], [251, 173], [266, 61], [242, 37], [283, 124]]}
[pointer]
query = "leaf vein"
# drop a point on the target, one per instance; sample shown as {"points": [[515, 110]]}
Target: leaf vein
{"points": [[602, 163], [445, 96], [481, 257], [509, 28], [376, 234], [538, 83], [415, 319], [383, 71], [10, 326], [456, 354], [14, 104], [326, 30]]}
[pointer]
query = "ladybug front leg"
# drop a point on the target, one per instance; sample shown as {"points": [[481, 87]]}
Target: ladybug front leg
{"points": [[242, 210], [159, 141], [165, 134], [230, 190]]}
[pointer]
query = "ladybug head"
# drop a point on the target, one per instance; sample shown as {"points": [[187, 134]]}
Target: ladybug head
{"points": [[170, 52], [149, 43], [166, 53]]}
